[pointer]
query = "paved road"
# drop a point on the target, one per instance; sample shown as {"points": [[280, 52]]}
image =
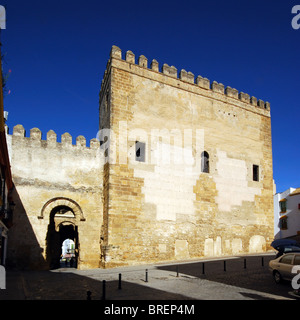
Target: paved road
{"points": [[197, 280]]}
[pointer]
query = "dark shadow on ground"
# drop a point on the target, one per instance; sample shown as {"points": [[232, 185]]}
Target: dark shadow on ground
{"points": [[49, 285], [253, 274], [67, 285]]}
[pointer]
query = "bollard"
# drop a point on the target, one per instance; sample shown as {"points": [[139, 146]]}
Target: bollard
{"points": [[245, 264], [203, 268], [120, 279], [262, 261], [177, 274], [89, 294], [103, 290], [224, 265], [146, 279]]}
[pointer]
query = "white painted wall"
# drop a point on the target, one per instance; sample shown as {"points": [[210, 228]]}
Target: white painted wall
{"points": [[292, 213]]}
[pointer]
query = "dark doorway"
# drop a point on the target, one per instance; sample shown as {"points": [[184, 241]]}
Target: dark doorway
{"points": [[60, 228]]}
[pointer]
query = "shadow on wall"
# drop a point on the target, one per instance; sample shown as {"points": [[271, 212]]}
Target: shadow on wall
{"points": [[24, 251]]}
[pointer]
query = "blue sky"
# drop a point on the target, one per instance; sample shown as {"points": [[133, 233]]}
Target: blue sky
{"points": [[57, 53]]}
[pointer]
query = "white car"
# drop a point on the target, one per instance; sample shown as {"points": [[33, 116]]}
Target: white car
{"points": [[281, 267]]}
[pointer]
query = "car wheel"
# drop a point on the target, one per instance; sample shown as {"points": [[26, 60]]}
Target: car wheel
{"points": [[277, 276]]}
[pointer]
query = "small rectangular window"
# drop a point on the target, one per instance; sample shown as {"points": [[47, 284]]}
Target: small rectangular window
{"points": [[283, 225], [140, 148], [205, 162], [282, 204], [255, 173]]}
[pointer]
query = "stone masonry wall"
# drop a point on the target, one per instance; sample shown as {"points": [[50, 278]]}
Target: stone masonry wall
{"points": [[166, 208], [49, 175], [125, 208]]}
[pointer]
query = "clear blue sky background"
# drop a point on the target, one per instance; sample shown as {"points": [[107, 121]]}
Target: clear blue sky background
{"points": [[57, 53]]}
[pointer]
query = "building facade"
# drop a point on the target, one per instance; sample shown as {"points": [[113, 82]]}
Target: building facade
{"points": [[188, 168], [6, 183], [58, 196], [287, 214], [6, 202], [184, 170]]}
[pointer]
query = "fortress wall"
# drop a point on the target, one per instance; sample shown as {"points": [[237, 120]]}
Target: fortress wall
{"points": [[159, 211], [160, 205], [57, 174]]}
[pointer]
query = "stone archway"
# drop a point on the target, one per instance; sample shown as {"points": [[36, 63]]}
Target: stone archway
{"points": [[64, 216], [64, 202]]}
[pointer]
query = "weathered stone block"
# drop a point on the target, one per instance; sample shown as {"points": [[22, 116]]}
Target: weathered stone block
{"points": [[231, 92], [19, 131], [143, 61], [154, 65], [244, 97], [203, 82], [130, 57], [116, 52], [217, 87]]}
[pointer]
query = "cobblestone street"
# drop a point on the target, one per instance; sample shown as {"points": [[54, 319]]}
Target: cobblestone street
{"points": [[236, 278]]}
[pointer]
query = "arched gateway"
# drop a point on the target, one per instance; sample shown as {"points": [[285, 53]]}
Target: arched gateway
{"points": [[64, 216]]}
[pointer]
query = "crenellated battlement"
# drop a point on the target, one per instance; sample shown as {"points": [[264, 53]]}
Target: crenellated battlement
{"points": [[51, 140], [188, 77]]}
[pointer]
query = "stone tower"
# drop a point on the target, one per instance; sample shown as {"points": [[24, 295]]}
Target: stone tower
{"points": [[188, 165], [183, 170]]}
